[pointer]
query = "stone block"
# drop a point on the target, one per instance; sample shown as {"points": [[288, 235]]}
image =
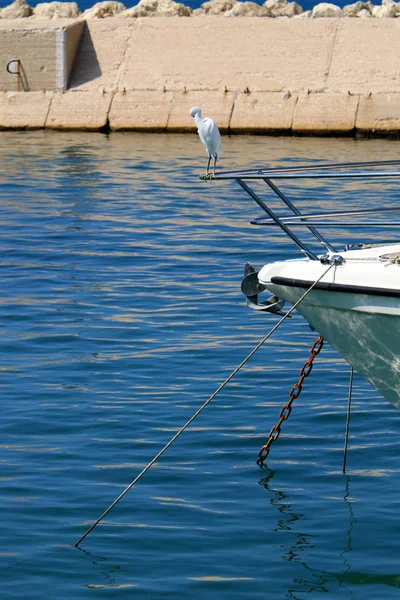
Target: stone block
{"points": [[21, 110], [379, 112], [216, 105], [263, 112], [214, 53], [87, 111], [101, 54], [325, 113], [140, 110], [45, 50], [363, 57]]}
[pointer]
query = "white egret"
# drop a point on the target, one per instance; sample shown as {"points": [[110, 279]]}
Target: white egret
{"points": [[209, 135]]}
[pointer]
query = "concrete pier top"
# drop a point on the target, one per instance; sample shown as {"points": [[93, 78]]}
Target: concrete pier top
{"points": [[261, 75], [45, 50]]}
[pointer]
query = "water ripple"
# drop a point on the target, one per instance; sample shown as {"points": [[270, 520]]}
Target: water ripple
{"points": [[121, 313]]}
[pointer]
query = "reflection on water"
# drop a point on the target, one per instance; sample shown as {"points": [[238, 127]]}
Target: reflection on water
{"points": [[297, 544], [121, 313], [300, 545]]}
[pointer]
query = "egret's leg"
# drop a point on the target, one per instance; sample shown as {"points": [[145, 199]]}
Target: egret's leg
{"points": [[215, 162], [208, 166]]}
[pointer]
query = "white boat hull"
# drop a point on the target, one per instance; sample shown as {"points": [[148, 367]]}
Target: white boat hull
{"points": [[363, 327]]}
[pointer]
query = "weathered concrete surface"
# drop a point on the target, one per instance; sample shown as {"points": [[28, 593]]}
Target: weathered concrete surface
{"points": [[45, 49], [265, 112], [68, 39], [313, 76], [364, 57], [379, 112], [14, 108], [218, 104], [213, 53], [101, 54], [79, 110], [127, 110], [325, 113]]}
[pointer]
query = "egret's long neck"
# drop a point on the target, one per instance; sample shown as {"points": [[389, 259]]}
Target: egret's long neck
{"points": [[197, 118]]}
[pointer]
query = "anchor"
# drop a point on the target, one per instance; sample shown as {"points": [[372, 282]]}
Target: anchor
{"points": [[251, 287]]}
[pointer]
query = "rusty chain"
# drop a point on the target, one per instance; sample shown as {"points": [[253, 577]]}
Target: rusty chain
{"points": [[287, 408]]}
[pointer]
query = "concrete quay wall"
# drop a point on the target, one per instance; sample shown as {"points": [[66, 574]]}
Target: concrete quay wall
{"points": [[252, 75]]}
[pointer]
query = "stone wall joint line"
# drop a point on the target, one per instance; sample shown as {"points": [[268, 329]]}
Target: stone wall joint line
{"points": [[331, 54], [356, 111], [48, 111], [231, 113], [170, 109], [293, 112], [121, 66], [112, 96]]}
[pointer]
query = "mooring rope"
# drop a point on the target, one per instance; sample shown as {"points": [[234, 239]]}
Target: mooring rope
{"points": [[346, 437], [192, 418]]}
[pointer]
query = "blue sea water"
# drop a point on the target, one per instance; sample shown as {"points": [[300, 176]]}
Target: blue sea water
{"points": [[121, 313]]}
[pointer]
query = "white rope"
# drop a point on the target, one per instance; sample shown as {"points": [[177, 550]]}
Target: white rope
{"points": [[192, 418]]}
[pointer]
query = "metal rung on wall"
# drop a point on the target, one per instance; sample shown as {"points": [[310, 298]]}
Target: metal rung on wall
{"points": [[14, 67]]}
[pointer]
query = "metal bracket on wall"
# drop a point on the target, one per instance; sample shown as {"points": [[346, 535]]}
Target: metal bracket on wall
{"points": [[14, 67]]}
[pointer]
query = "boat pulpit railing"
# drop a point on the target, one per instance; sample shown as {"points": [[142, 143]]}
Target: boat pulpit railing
{"points": [[286, 222]]}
